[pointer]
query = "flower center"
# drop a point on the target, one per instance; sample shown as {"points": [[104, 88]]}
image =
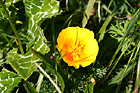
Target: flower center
{"points": [[73, 52], [77, 51]]}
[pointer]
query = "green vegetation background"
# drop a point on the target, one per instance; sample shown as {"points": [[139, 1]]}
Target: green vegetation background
{"points": [[28, 33]]}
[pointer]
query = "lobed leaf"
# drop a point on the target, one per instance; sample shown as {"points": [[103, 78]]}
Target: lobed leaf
{"points": [[36, 10], [24, 65], [8, 80]]}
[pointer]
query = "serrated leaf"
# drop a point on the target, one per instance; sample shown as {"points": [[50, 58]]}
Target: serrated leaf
{"points": [[22, 64], [36, 10], [115, 30], [8, 80]]}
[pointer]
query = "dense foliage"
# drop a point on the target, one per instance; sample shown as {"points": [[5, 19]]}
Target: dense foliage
{"points": [[30, 62]]}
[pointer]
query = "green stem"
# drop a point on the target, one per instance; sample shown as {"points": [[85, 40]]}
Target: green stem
{"points": [[54, 84], [123, 75], [116, 62], [137, 83], [40, 79], [9, 44], [13, 27], [54, 46]]}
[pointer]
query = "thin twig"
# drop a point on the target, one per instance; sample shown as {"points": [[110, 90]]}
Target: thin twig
{"points": [[67, 5], [120, 17], [55, 85]]}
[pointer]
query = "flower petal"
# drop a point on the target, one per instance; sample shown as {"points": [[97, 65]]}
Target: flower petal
{"points": [[67, 35], [78, 46]]}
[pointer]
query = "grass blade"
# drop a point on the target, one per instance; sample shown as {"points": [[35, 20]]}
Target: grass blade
{"points": [[118, 77], [133, 21], [87, 12], [137, 83], [103, 28], [116, 61], [109, 5], [60, 73]]}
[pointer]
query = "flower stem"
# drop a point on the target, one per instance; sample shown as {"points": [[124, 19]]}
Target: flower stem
{"points": [[13, 26], [53, 37], [55, 85]]}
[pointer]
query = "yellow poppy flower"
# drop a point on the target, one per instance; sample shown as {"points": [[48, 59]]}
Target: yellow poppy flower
{"points": [[77, 46]]}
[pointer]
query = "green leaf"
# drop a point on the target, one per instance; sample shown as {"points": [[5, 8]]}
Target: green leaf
{"points": [[109, 5], [10, 2], [133, 21], [1, 56], [123, 41], [24, 65], [29, 88], [7, 3], [8, 80], [117, 32], [36, 10], [90, 85], [102, 30], [2, 13], [117, 60], [118, 77]]}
